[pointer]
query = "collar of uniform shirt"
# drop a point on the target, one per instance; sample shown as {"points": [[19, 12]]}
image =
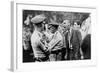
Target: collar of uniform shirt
{"points": [[39, 33]]}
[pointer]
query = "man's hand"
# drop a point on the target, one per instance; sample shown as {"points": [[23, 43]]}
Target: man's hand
{"points": [[82, 57]]}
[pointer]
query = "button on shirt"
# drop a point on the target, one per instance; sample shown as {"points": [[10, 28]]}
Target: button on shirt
{"points": [[37, 46]]}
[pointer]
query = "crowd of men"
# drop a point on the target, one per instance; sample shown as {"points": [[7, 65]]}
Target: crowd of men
{"points": [[56, 41]]}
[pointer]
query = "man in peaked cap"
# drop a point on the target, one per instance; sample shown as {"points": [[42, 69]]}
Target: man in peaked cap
{"points": [[56, 42], [38, 19], [37, 46]]}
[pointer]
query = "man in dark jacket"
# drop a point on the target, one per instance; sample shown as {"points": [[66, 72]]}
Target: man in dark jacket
{"points": [[73, 40], [86, 46]]}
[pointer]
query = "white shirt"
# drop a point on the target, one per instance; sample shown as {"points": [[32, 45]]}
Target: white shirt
{"points": [[37, 46], [56, 42]]}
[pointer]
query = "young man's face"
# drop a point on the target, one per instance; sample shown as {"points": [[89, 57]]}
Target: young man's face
{"points": [[67, 24], [76, 26]]}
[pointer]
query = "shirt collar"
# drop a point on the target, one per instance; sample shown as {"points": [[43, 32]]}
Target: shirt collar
{"points": [[38, 33]]}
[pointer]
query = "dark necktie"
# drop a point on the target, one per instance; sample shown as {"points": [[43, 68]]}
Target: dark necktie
{"points": [[69, 38]]}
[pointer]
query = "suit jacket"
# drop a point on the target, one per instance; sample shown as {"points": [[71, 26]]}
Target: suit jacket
{"points": [[86, 46], [75, 38], [75, 41]]}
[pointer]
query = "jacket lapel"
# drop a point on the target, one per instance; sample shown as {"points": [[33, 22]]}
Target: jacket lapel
{"points": [[71, 34]]}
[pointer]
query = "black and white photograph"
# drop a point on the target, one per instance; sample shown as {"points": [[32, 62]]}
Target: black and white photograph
{"points": [[49, 36], [52, 36]]}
